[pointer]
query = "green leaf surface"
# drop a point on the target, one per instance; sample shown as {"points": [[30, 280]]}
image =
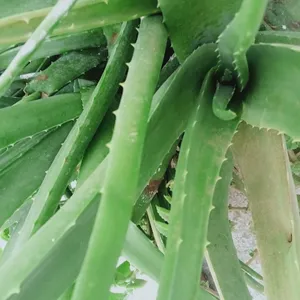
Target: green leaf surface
{"points": [[196, 176], [278, 37], [192, 23], [271, 99], [221, 253], [15, 152], [238, 36], [27, 119], [124, 162], [16, 28], [59, 45], [23, 176], [64, 70], [97, 149], [75, 145], [162, 228], [167, 121], [271, 192], [61, 8], [163, 213], [8, 101]]}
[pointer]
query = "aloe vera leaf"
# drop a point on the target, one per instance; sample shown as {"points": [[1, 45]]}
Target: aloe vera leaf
{"points": [[34, 96], [15, 7], [163, 213], [67, 255], [17, 28], [163, 121], [59, 45], [23, 177], [27, 119], [221, 100], [271, 192], [170, 105], [111, 33], [64, 70], [250, 271], [278, 37], [254, 284], [220, 253], [129, 135], [67, 295], [156, 234], [65, 162], [193, 23], [8, 101], [271, 99], [97, 149], [169, 68], [15, 222], [239, 35], [195, 180], [151, 189], [35, 40], [15, 152]]}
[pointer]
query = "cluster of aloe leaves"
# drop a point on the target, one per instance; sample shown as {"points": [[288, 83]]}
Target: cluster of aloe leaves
{"points": [[121, 122]]}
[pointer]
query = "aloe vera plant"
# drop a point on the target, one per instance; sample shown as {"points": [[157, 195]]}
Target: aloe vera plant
{"points": [[121, 125]]}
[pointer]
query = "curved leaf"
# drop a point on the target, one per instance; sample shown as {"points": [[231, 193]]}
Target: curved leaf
{"points": [[192, 23], [271, 99]]}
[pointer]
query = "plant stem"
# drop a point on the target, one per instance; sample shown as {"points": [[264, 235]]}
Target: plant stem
{"points": [[119, 190], [32, 44]]}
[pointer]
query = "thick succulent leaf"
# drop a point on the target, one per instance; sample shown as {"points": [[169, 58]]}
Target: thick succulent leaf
{"points": [[238, 36], [221, 254], [263, 162], [71, 152], [162, 228], [202, 154], [45, 28], [59, 45], [23, 177], [26, 119], [14, 224], [278, 37], [97, 149], [15, 7], [15, 28], [192, 23], [8, 101], [271, 99], [163, 213], [163, 130], [124, 162], [64, 70], [11, 154]]}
